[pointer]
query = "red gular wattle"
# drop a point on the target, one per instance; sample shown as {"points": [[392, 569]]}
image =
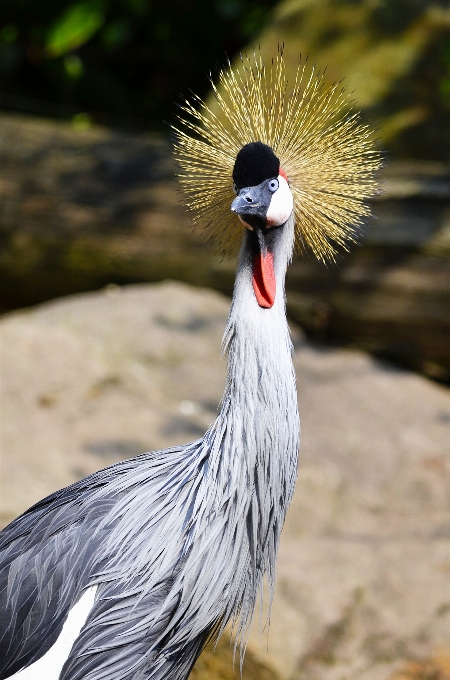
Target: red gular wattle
{"points": [[264, 282]]}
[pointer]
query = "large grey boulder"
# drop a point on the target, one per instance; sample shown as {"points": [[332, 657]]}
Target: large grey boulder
{"points": [[363, 579]]}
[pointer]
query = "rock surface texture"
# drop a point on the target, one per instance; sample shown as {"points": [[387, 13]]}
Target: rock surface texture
{"points": [[363, 577]]}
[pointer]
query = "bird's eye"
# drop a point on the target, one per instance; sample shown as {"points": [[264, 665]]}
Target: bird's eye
{"points": [[273, 185], [235, 189]]}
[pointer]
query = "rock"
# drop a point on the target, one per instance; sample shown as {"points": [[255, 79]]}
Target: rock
{"points": [[81, 209], [363, 573], [390, 296]]}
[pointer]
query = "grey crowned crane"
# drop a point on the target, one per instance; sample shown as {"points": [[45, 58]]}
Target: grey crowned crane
{"points": [[126, 574]]}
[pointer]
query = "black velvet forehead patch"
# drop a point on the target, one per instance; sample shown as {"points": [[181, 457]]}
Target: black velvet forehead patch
{"points": [[254, 163]]}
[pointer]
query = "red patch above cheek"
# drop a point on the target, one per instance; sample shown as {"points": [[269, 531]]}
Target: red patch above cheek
{"points": [[283, 174]]}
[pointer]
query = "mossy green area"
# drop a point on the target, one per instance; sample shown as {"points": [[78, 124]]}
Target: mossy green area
{"points": [[393, 57], [219, 664]]}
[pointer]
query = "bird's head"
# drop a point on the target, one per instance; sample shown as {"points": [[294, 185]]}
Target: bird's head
{"points": [[263, 203], [302, 162]]}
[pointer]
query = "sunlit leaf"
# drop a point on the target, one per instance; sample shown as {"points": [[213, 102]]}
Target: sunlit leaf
{"points": [[75, 27]]}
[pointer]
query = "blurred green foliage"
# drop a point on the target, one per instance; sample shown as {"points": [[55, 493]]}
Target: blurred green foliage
{"points": [[445, 82], [124, 62]]}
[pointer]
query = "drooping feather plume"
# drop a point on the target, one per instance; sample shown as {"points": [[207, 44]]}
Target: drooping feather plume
{"points": [[325, 150]]}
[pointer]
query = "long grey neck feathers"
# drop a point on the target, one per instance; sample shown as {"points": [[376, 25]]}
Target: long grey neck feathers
{"points": [[260, 424]]}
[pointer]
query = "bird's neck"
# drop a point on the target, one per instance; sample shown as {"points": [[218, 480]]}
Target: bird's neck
{"points": [[259, 408], [252, 447]]}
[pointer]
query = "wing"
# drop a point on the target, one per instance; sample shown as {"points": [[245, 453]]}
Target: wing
{"points": [[63, 545], [117, 642], [45, 562]]}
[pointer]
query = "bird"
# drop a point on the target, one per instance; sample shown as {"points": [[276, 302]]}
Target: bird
{"points": [[128, 573]]}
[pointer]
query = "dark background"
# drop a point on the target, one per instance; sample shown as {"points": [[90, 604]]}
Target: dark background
{"points": [[125, 62]]}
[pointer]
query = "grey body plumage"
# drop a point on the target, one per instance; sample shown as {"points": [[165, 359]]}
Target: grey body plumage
{"points": [[178, 541]]}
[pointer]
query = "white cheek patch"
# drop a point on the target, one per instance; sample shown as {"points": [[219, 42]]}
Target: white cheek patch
{"points": [[281, 204]]}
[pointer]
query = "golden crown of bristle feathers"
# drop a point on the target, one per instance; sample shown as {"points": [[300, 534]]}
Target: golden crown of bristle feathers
{"points": [[326, 152]]}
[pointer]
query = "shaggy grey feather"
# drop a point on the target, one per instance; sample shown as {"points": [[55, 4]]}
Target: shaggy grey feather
{"points": [[178, 541]]}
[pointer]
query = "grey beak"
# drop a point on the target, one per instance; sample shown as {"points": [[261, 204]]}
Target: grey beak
{"points": [[252, 201]]}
